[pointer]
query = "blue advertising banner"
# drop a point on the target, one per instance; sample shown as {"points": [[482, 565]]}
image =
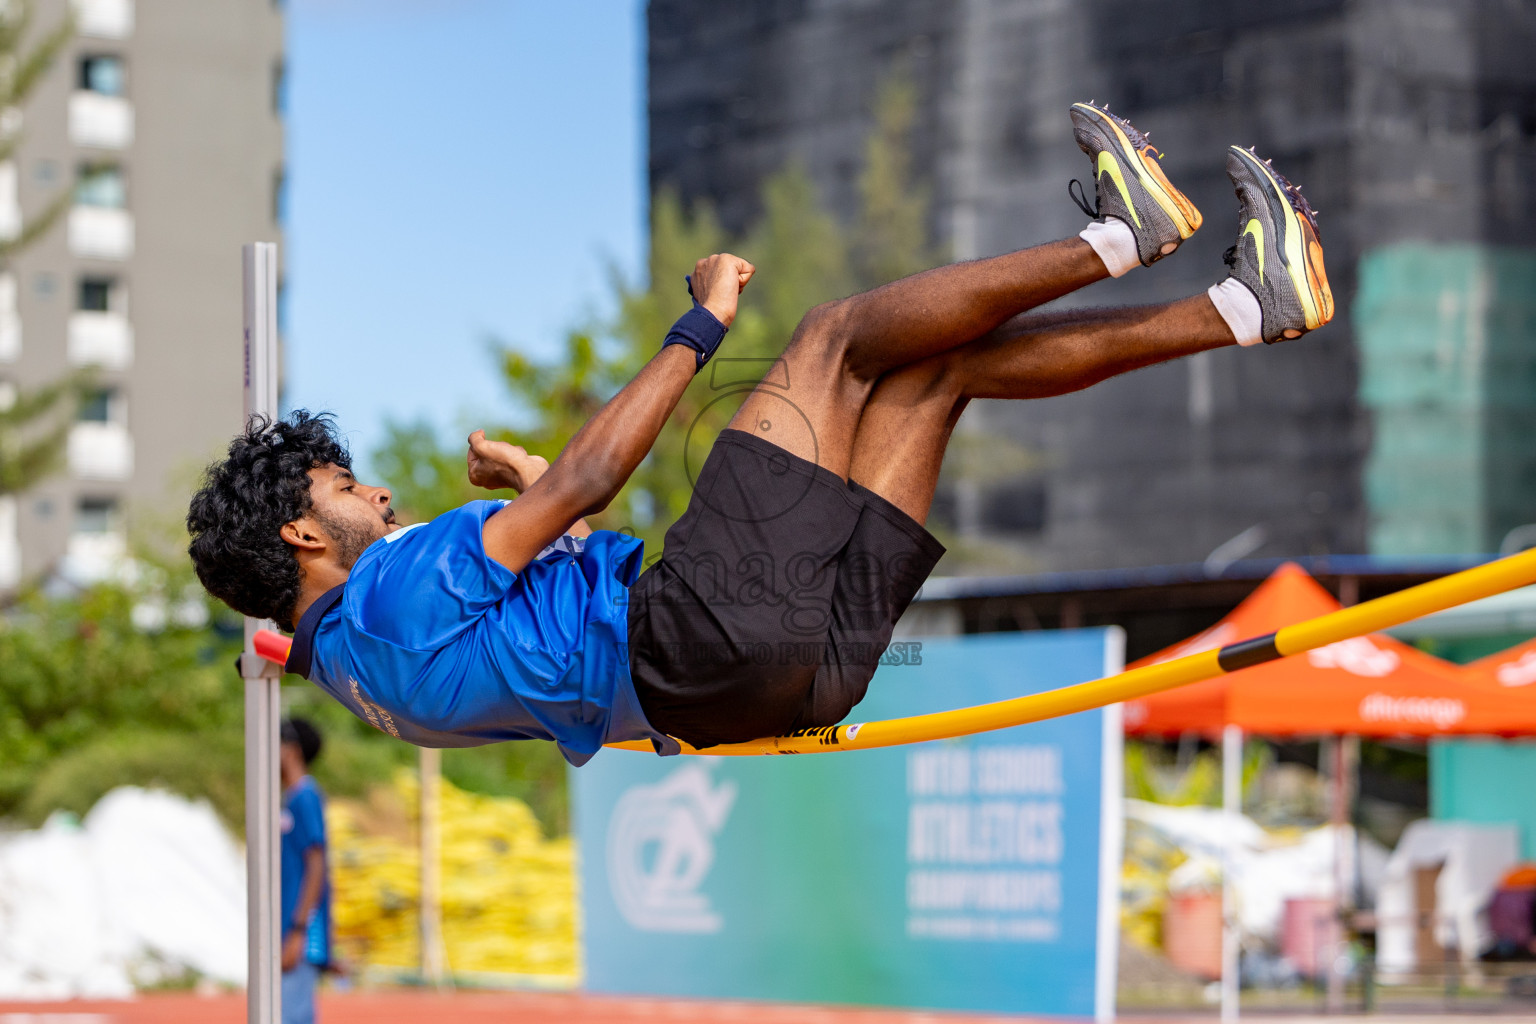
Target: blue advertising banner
{"points": [[972, 874]]}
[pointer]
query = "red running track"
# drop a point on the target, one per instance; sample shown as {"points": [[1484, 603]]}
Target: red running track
{"points": [[405, 1006]]}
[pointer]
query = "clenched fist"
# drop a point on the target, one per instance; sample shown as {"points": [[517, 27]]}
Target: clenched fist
{"points": [[497, 465], [717, 284]]}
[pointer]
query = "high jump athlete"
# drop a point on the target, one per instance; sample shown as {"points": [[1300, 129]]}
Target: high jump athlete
{"points": [[803, 542]]}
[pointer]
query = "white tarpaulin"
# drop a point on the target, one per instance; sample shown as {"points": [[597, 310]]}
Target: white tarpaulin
{"points": [[1268, 868], [148, 886], [1475, 858]]}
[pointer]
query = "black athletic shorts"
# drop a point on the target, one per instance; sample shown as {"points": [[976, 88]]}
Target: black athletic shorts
{"points": [[773, 600]]}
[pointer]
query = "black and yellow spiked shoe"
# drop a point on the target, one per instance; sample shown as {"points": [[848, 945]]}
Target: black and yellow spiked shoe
{"points": [[1277, 255], [1129, 184]]}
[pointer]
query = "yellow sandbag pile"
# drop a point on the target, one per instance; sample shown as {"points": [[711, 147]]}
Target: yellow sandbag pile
{"points": [[508, 894], [1149, 859]]}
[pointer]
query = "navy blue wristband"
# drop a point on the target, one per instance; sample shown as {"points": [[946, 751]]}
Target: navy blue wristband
{"points": [[699, 330]]}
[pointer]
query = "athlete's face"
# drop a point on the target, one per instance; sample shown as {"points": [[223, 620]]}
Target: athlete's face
{"points": [[352, 515]]}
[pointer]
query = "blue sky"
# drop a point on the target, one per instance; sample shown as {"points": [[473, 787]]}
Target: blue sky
{"points": [[458, 169]]}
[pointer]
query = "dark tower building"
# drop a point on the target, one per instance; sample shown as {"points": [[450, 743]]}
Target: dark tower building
{"points": [[1406, 426]]}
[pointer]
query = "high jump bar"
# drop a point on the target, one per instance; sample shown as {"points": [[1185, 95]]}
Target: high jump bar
{"points": [[1368, 617]]}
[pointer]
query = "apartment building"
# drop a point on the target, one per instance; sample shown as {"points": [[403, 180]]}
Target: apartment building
{"points": [[163, 120]]}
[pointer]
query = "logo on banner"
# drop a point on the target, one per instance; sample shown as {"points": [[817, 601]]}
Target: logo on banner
{"points": [[661, 845], [1518, 673], [1440, 712], [1357, 656]]}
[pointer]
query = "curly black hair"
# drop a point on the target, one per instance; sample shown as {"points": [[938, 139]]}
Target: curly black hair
{"points": [[245, 500]]}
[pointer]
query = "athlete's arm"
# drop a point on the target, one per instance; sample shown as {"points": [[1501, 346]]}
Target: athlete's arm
{"points": [[599, 460]]}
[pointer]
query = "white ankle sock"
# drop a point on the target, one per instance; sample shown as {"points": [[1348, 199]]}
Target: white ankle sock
{"points": [[1111, 238], [1240, 309]]}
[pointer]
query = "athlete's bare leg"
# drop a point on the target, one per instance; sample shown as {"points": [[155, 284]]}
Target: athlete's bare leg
{"points": [[904, 427], [812, 402]]}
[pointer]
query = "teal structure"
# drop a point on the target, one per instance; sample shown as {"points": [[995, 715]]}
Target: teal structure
{"points": [[1486, 781], [1447, 338]]}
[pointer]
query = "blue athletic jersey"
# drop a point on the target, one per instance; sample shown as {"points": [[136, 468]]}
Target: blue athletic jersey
{"points": [[303, 827], [434, 642]]}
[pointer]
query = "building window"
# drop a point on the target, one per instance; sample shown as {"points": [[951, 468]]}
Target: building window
{"points": [[95, 516], [100, 447], [279, 196], [96, 542], [10, 327], [102, 74], [10, 201], [1015, 507], [279, 88], [96, 294], [102, 185], [99, 405], [99, 331]]}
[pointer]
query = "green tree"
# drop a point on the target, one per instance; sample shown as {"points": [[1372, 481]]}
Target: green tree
{"points": [[23, 62], [33, 423], [891, 238], [33, 427], [1154, 775], [131, 683], [77, 673]]}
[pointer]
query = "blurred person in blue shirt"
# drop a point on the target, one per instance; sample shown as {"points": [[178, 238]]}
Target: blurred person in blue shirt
{"points": [[305, 920]]}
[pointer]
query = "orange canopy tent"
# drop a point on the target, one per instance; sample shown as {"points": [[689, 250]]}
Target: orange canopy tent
{"points": [[1368, 686], [1511, 672]]}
